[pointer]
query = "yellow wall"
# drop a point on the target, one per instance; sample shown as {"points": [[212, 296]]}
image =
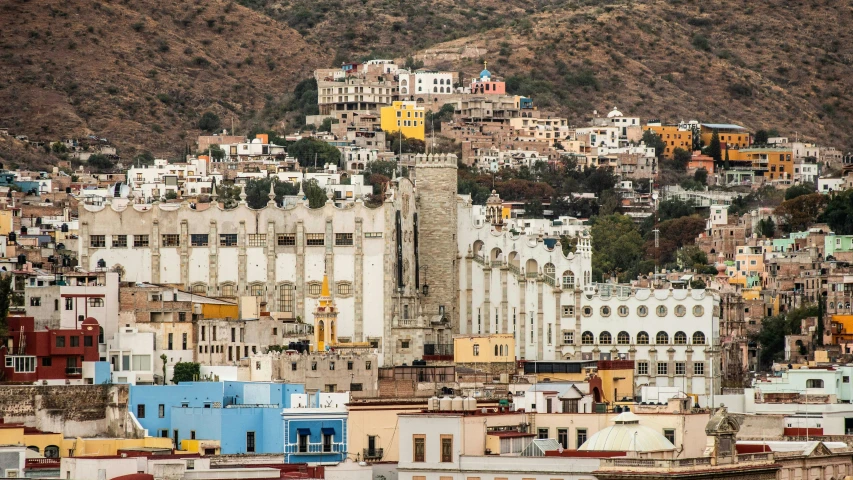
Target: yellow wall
{"points": [[618, 382], [6, 222], [673, 137], [395, 116], [778, 160], [110, 446], [212, 310], [198, 446], [379, 421], [464, 350], [739, 140], [16, 436]]}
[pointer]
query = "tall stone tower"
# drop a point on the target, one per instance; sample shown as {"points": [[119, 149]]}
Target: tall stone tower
{"points": [[435, 184]]}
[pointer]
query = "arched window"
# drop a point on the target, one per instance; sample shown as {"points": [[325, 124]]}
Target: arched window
{"points": [[662, 338], [587, 338], [623, 338], [680, 338], [698, 338], [435, 81], [101, 335], [256, 289], [604, 338], [199, 288], [51, 451], [434, 89], [568, 280], [506, 350], [497, 351], [549, 270], [642, 338]]}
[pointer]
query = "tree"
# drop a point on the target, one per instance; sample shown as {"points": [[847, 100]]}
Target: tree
{"points": [[216, 153], [767, 227], [652, 139], [326, 126], [599, 179], [258, 190], [760, 138], [171, 195], [310, 151], [99, 162], [164, 358], [209, 122], [434, 120], [714, 149], [186, 372], [798, 190], [533, 209], [403, 144], [701, 176], [674, 234], [144, 158], [839, 213], [615, 247], [771, 336], [691, 256], [798, 213], [5, 303], [680, 159], [316, 195]]}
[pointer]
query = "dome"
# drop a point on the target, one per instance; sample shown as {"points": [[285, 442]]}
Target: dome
{"points": [[89, 321], [614, 113], [485, 74], [627, 435]]}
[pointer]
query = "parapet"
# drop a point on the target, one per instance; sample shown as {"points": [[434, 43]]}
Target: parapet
{"points": [[436, 160]]}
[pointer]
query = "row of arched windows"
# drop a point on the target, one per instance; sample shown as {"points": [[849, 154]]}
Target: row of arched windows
{"points": [[623, 338], [501, 350]]}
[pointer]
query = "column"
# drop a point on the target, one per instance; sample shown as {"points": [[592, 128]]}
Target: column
{"points": [[522, 317], [540, 318], [84, 239], [300, 270], [505, 300], [486, 310], [241, 259], [155, 251], [185, 261], [272, 288], [213, 260], [358, 281], [469, 291], [329, 243]]}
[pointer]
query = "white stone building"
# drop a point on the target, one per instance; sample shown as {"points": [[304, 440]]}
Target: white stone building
{"points": [[425, 82], [152, 182], [131, 356]]}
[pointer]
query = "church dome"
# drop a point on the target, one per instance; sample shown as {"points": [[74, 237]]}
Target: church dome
{"points": [[485, 74], [614, 113], [627, 435]]}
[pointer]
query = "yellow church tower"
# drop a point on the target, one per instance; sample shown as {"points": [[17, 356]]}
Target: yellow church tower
{"points": [[325, 319]]}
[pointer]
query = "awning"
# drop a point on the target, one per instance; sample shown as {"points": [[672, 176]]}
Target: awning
{"points": [[328, 431], [303, 431]]}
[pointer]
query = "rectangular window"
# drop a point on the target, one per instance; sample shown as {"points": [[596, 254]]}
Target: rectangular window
{"points": [[169, 347], [679, 368], [199, 239], [419, 445], [97, 241], [568, 338], [542, 433], [228, 240], [367, 365], [327, 443], [315, 239], [446, 448], [35, 301], [250, 442], [662, 368], [373, 235], [669, 433], [60, 341], [476, 350], [303, 443], [568, 311], [699, 368], [331, 365], [257, 240], [285, 297], [171, 240], [344, 288], [256, 290], [140, 411], [96, 302], [570, 405], [355, 387], [642, 368], [140, 241], [184, 341], [563, 437], [343, 239], [581, 437], [161, 410], [119, 241], [286, 239], [75, 341], [69, 304]]}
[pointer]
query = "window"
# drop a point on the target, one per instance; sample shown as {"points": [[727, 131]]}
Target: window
{"points": [[35, 301], [315, 239], [119, 241], [568, 311], [642, 338], [257, 240], [419, 448], [314, 288], [372, 234], [814, 383], [355, 387], [568, 338], [344, 288], [227, 239], [367, 365], [680, 310], [171, 240], [331, 365], [60, 341], [199, 239], [679, 368], [587, 338], [293, 366], [303, 443], [184, 341], [96, 302], [698, 310], [327, 442], [286, 239], [404, 344], [662, 368], [229, 290], [642, 368], [698, 338], [75, 341], [623, 338], [314, 366], [622, 311], [23, 363], [568, 280], [476, 350], [661, 311], [170, 339], [563, 437], [605, 311], [140, 411], [161, 410], [349, 365], [446, 448], [97, 241], [669, 433], [699, 368], [343, 239], [642, 310], [662, 338], [581, 437], [69, 304], [140, 241], [845, 379], [285, 297], [587, 311], [542, 433], [256, 289], [680, 338], [250, 442], [604, 338]]}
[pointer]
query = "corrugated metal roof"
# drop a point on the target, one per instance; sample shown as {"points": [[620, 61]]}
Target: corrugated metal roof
{"points": [[723, 126]]}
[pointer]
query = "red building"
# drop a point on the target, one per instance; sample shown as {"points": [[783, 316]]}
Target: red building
{"points": [[48, 354]]}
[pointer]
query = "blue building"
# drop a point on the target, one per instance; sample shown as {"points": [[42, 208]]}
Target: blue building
{"points": [[245, 417], [316, 432]]}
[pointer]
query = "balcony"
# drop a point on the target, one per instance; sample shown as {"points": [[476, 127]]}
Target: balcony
{"points": [[315, 448], [73, 371], [373, 453], [438, 351]]}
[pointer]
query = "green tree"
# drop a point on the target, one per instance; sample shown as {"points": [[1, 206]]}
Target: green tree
{"points": [[326, 126], [209, 122], [58, 147], [771, 336], [434, 120], [767, 227], [800, 212], [652, 139], [680, 159], [401, 143], [186, 372], [534, 209], [714, 148], [5, 302], [701, 176], [100, 163], [691, 256], [316, 195], [216, 153], [171, 195], [310, 151], [839, 213], [258, 190], [760, 138], [798, 190], [144, 158], [616, 247]]}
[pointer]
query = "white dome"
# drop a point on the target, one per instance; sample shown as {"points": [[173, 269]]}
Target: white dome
{"points": [[627, 435], [614, 113]]}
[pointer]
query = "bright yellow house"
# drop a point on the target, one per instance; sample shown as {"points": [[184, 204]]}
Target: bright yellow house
{"points": [[34, 439], [404, 116], [673, 137], [496, 348]]}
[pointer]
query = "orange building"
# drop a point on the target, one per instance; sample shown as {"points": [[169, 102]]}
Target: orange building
{"points": [[699, 161], [673, 137], [773, 163], [734, 136]]}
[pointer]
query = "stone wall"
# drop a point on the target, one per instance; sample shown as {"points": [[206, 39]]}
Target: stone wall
{"points": [[73, 410]]}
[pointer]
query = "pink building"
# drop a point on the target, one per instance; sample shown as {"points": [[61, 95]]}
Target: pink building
{"points": [[485, 85]]}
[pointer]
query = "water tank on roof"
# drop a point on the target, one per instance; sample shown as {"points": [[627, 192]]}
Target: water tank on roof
{"points": [[469, 404], [433, 405], [458, 404], [445, 404]]}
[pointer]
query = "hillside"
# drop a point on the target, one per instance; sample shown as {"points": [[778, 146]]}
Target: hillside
{"points": [[141, 72]]}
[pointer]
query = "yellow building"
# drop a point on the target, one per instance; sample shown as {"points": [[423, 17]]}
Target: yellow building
{"points": [[407, 117], [45, 443], [201, 447], [82, 447], [7, 224], [497, 348], [734, 136], [674, 137], [774, 163]]}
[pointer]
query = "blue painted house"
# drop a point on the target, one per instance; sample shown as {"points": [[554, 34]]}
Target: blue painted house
{"points": [[316, 431], [245, 417]]}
